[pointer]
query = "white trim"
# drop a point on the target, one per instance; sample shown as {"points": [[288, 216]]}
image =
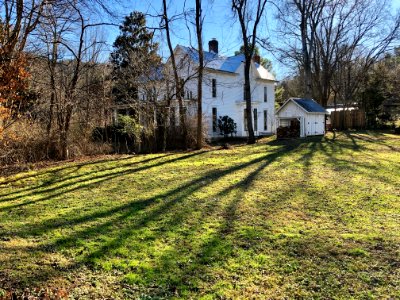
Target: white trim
{"points": [[309, 112], [287, 101]]}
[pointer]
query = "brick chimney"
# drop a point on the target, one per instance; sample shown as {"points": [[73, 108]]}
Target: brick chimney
{"points": [[213, 46], [257, 59]]}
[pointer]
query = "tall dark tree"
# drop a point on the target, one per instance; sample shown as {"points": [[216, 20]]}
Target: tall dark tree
{"points": [[199, 34], [135, 60], [249, 14]]}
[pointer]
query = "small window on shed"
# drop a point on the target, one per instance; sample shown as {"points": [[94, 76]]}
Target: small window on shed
{"points": [[284, 123]]}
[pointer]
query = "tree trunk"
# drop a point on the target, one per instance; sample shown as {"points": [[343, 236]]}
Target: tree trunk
{"points": [[199, 27], [251, 138], [63, 145], [178, 86], [249, 37], [305, 52]]}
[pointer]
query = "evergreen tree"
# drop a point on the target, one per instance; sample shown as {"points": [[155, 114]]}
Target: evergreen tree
{"points": [[134, 59]]}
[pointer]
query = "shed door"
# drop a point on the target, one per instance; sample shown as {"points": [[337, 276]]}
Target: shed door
{"points": [[315, 125], [310, 126], [319, 124]]}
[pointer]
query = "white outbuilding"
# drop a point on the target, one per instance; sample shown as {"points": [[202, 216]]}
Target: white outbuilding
{"points": [[306, 113]]}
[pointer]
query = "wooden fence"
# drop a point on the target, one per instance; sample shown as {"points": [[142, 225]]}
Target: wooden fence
{"points": [[348, 119]]}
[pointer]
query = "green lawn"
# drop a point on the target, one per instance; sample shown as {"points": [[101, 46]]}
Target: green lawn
{"points": [[314, 218]]}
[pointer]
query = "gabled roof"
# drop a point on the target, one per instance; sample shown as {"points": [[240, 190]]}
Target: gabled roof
{"points": [[309, 105], [228, 64]]}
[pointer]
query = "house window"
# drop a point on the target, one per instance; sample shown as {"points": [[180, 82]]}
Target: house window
{"points": [[182, 88], [265, 120], [214, 87], [214, 119], [255, 116], [190, 95], [265, 94], [245, 119], [187, 95]]}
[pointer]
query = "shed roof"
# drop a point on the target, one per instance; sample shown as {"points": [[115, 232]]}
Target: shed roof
{"points": [[309, 105]]}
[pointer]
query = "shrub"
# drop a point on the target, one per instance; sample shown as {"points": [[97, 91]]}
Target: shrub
{"points": [[226, 126], [27, 142]]}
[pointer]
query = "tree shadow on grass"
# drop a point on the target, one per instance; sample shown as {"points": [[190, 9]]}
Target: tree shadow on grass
{"points": [[376, 139], [57, 167], [135, 215], [333, 151], [165, 214], [86, 182], [60, 178], [216, 248], [227, 240], [340, 266]]}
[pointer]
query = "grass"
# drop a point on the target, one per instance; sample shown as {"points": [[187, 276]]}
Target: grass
{"points": [[314, 218]]}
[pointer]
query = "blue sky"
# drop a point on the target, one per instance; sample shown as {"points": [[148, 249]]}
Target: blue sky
{"points": [[219, 24]]}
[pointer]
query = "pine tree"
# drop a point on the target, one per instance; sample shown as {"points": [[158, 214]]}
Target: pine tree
{"points": [[134, 59]]}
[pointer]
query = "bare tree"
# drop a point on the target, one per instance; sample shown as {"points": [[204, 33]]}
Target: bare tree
{"points": [[72, 50], [17, 21], [199, 29], [332, 33], [20, 20], [249, 19], [177, 84]]}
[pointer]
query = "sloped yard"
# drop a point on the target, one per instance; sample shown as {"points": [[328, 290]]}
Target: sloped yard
{"points": [[313, 218]]}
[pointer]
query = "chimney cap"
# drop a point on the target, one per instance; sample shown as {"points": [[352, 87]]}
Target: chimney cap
{"points": [[213, 45], [257, 58]]}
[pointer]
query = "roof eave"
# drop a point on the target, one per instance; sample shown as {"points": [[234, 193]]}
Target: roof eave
{"points": [[269, 80], [220, 71]]}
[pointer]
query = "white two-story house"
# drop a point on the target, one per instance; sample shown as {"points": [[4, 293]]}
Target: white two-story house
{"points": [[223, 89]]}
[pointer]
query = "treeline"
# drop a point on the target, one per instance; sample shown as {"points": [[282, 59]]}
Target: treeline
{"points": [[342, 54], [62, 95]]}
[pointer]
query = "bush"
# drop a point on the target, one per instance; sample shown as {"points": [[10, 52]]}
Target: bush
{"points": [[25, 142], [28, 142], [226, 126]]}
